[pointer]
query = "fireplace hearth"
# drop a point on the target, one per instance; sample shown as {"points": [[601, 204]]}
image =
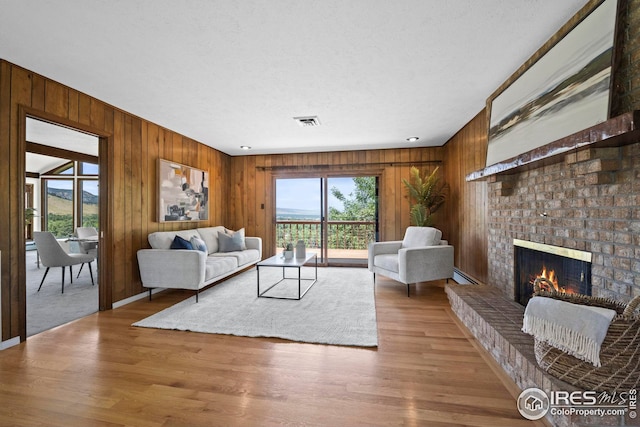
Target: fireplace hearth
{"points": [[568, 269]]}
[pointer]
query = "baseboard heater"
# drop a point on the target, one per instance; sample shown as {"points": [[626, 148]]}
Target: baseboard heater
{"points": [[462, 278]]}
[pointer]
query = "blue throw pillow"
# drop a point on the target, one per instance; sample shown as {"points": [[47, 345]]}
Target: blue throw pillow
{"points": [[198, 244], [180, 243], [229, 243], [235, 235]]}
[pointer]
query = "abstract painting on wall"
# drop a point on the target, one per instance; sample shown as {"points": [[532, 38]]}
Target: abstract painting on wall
{"points": [[184, 192], [565, 91]]}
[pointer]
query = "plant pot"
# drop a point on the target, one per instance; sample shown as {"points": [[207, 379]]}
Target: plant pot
{"points": [[288, 254]]}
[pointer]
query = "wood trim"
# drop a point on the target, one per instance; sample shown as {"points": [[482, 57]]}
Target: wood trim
{"points": [[345, 167], [47, 150], [56, 173], [616, 132], [104, 301], [63, 121], [29, 192]]}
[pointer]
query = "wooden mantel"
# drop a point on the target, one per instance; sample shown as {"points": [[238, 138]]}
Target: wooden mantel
{"points": [[615, 132]]}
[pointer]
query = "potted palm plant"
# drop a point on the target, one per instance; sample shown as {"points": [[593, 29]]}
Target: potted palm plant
{"points": [[427, 194]]}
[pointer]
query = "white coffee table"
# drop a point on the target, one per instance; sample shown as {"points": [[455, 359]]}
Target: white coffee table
{"points": [[279, 261]]}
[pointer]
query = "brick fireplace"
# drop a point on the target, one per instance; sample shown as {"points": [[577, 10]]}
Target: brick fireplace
{"points": [[587, 202]]}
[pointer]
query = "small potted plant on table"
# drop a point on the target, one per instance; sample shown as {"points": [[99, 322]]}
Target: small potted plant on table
{"points": [[288, 251]]}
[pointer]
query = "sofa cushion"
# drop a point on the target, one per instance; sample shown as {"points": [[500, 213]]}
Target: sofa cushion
{"points": [[180, 243], [230, 243], [198, 244], [210, 237], [421, 236], [163, 239], [243, 257], [217, 266]]}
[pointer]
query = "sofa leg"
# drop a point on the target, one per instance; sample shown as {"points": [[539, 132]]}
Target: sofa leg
{"points": [[408, 290], [197, 295], [374, 278], [149, 294]]}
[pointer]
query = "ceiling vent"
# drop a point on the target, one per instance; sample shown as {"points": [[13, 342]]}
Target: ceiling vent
{"points": [[308, 121]]}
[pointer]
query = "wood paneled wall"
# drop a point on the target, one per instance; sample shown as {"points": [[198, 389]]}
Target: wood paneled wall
{"points": [[253, 180], [466, 210], [133, 147]]}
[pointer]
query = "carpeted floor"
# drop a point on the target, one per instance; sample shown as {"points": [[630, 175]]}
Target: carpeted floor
{"points": [[339, 309], [49, 307]]}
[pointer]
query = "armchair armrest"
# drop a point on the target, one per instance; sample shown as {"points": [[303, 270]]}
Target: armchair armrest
{"points": [[378, 248], [172, 268], [421, 264]]}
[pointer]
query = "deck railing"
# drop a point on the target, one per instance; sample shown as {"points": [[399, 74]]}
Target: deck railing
{"points": [[340, 234]]}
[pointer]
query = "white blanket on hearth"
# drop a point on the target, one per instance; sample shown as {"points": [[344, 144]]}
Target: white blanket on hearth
{"points": [[576, 329]]}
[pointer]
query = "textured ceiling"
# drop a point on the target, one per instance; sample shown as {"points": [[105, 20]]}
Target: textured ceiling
{"points": [[231, 73]]}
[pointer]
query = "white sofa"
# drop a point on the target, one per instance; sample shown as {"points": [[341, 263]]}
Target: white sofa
{"points": [[421, 256], [162, 267]]}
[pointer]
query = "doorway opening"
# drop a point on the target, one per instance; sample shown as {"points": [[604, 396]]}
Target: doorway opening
{"points": [[335, 216], [62, 172]]}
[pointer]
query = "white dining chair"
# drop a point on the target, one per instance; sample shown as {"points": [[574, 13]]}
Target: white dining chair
{"points": [[53, 255]]}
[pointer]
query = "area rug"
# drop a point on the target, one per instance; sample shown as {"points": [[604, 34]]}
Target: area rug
{"points": [[339, 309]]}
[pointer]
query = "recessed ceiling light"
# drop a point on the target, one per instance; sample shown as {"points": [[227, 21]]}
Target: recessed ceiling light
{"points": [[413, 139], [245, 147]]}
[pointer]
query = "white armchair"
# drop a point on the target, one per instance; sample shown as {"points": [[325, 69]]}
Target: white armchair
{"points": [[420, 257]]}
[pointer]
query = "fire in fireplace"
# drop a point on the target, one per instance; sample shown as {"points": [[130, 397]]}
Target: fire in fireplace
{"points": [[569, 270]]}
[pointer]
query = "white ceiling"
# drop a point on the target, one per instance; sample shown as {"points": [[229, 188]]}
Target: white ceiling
{"points": [[229, 72], [38, 163], [45, 133]]}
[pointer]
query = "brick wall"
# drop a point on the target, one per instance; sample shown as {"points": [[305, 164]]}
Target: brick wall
{"points": [[587, 202]]}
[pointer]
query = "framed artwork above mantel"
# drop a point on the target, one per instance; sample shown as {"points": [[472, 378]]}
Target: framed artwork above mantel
{"points": [[183, 192], [563, 89]]}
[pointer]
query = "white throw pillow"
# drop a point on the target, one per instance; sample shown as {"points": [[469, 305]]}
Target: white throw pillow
{"points": [[198, 244], [210, 237]]}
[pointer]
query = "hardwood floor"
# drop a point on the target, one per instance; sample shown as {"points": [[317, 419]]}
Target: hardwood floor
{"points": [[100, 371]]}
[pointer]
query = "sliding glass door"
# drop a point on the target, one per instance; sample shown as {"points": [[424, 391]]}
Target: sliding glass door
{"points": [[336, 216], [352, 218], [300, 213]]}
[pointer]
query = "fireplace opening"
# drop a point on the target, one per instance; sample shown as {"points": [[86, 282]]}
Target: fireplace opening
{"points": [[569, 270]]}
